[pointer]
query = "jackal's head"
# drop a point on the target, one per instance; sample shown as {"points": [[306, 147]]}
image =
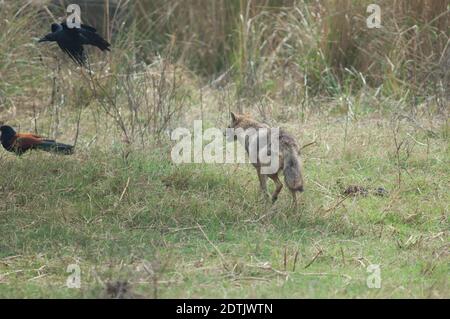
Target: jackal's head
{"points": [[241, 121], [237, 121]]}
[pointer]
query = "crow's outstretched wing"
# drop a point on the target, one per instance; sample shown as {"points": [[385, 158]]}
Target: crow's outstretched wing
{"points": [[73, 47], [92, 38]]}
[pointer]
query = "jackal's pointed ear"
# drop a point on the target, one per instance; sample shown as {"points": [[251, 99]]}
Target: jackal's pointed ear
{"points": [[233, 116]]}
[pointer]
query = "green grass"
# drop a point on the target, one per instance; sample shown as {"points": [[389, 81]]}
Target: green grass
{"points": [[205, 231]]}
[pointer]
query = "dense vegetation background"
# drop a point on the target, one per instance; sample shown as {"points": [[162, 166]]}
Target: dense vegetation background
{"points": [[265, 47]]}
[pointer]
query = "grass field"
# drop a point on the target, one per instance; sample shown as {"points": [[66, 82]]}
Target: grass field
{"points": [[369, 106], [203, 231]]}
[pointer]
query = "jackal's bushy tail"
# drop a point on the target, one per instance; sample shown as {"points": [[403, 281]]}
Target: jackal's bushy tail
{"points": [[291, 169]]}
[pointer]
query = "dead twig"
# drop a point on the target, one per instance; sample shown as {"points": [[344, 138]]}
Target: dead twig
{"points": [[222, 257], [307, 145], [314, 259], [295, 259], [324, 274], [337, 204], [343, 257], [267, 266], [124, 190]]}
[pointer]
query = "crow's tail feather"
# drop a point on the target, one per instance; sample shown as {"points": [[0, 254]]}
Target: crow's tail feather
{"points": [[54, 147]]}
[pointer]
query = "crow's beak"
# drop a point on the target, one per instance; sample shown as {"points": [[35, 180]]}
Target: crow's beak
{"points": [[44, 39]]}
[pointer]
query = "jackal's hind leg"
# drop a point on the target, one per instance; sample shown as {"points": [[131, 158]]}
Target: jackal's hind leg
{"points": [[279, 187], [294, 199]]}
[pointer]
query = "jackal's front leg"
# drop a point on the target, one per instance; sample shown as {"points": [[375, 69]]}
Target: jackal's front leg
{"points": [[263, 183]]}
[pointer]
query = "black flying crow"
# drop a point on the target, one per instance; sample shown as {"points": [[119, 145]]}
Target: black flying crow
{"points": [[71, 40]]}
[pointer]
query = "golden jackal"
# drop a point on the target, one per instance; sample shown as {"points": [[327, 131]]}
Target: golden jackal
{"points": [[283, 156]]}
